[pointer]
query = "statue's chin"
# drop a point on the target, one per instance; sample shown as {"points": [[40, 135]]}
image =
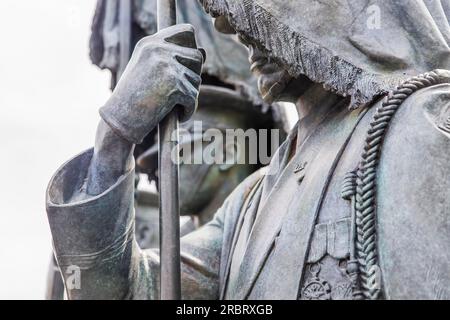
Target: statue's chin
{"points": [[271, 86]]}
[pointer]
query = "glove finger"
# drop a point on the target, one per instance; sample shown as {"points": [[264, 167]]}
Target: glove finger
{"points": [[187, 98], [194, 78], [193, 63], [203, 52], [182, 35]]}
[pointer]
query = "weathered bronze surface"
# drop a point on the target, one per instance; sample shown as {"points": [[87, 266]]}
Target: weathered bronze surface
{"points": [[226, 101], [358, 200]]}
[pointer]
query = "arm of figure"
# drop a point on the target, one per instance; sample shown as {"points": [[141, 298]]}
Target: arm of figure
{"points": [[94, 239], [112, 158], [90, 199], [95, 245], [202, 251]]}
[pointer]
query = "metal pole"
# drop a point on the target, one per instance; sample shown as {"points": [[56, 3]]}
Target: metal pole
{"points": [[124, 35], [169, 221]]}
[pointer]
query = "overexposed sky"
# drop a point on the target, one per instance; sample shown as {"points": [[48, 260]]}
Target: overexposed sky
{"points": [[49, 97]]}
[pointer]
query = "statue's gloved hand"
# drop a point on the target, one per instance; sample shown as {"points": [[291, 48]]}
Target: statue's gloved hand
{"points": [[164, 71]]}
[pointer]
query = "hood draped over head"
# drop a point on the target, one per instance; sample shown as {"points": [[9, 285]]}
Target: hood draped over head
{"points": [[356, 48]]}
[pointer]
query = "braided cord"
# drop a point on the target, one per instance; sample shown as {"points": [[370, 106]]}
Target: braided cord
{"points": [[366, 236]]}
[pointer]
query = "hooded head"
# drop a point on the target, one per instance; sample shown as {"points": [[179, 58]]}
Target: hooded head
{"points": [[356, 48]]}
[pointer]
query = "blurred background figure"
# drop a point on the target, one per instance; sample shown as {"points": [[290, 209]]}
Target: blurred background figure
{"points": [[228, 99]]}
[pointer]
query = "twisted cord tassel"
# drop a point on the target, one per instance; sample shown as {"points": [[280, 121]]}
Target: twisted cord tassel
{"points": [[366, 236]]}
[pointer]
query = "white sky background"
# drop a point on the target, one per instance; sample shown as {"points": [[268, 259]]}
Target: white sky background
{"points": [[49, 97]]}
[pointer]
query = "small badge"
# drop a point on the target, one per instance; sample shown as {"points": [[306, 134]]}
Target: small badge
{"points": [[316, 288]]}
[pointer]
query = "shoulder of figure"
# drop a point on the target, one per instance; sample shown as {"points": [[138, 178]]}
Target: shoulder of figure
{"points": [[423, 117], [412, 165]]}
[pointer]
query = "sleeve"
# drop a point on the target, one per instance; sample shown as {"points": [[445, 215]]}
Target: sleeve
{"points": [[95, 247], [93, 239]]}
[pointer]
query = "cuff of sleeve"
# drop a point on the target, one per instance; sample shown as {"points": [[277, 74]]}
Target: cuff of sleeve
{"points": [[130, 126], [90, 225]]}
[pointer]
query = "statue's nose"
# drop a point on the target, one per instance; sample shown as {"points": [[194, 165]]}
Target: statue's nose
{"points": [[222, 25]]}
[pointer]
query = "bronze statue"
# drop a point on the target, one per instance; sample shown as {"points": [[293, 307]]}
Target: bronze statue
{"points": [[357, 205], [227, 100]]}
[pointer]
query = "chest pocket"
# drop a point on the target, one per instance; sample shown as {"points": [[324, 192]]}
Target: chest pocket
{"points": [[330, 238]]}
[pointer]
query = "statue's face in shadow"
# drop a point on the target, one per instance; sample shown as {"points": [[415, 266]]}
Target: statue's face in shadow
{"points": [[202, 180], [201, 183], [272, 79], [195, 187], [274, 82]]}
